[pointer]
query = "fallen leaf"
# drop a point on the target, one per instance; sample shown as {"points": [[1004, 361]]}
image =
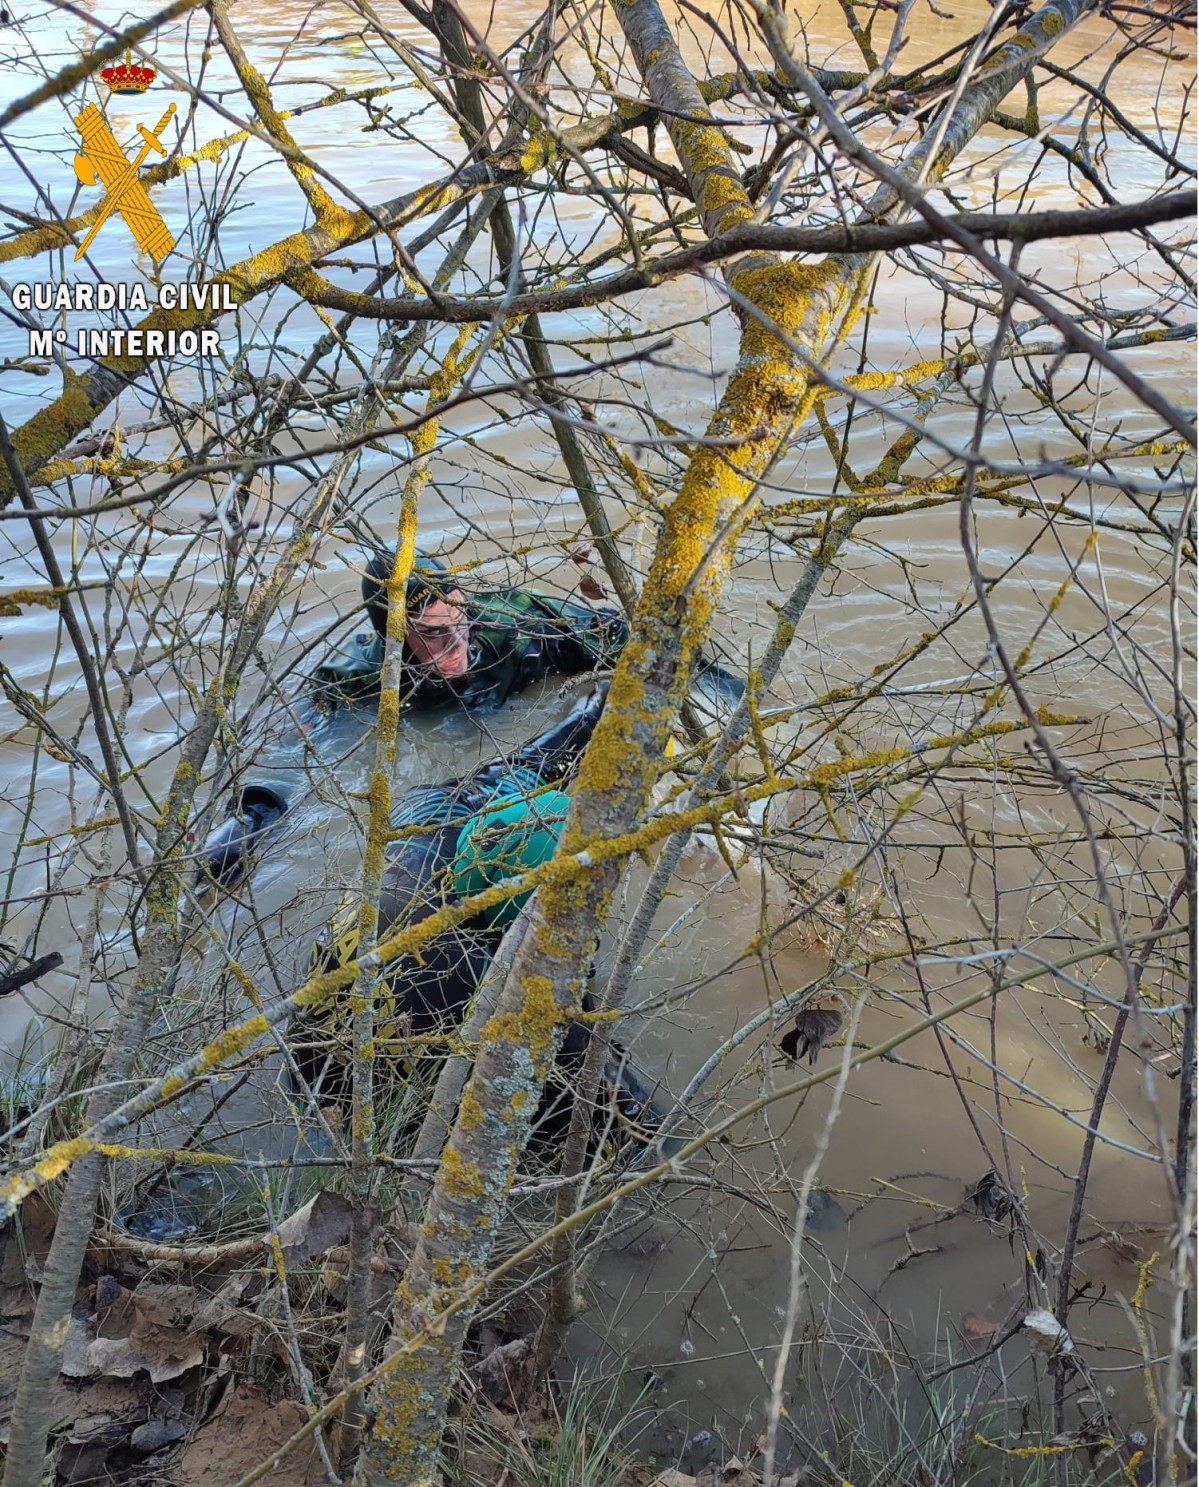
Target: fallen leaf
{"points": [[12, 1355], [97, 1430], [316, 1227], [581, 555], [243, 1429], [83, 1463], [155, 1434], [17, 1303], [591, 588], [814, 1026], [734, 1473], [104, 1409], [144, 1329], [672, 1477], [506, 1374], [75, 1362], [100, 1430], [1048, 1334], [114, 1303], [163, 1354], [120, 1311], [100, 1407], [26, 1243], [974, 1324], [221, 1313]]}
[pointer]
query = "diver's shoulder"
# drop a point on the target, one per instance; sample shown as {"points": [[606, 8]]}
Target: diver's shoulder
{"points": [[497, 606], [351, 669]]}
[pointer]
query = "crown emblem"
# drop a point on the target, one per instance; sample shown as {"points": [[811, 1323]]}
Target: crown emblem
{"points": [[128, 77]]}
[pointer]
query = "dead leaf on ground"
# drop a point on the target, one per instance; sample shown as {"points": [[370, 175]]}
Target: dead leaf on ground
{"points": [[316, 1227], [734, 1473], [103, 1410], [506, 1374], [96, 1408], [162, 1353], [814, 1026], [83, 1463], [17, 1304], [672, 1477], [138, 1330], [155, 1434], [176, 1307], [12, 1354], [221, 1313], [101, 1430], [243, 1430], [591, 588], [974, 1324], [118, 1309]]}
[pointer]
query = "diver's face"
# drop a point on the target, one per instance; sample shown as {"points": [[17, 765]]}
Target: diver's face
{"points": [[439, 636]]}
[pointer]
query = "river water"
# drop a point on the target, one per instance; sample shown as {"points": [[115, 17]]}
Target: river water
{"points": [[692, 1297]]}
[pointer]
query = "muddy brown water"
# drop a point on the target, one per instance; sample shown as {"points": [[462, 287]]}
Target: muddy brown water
{"points": [[692, 1298]]}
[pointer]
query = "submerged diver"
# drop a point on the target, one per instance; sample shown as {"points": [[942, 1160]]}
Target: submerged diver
{"points": [[475, 650], [456, 839]]}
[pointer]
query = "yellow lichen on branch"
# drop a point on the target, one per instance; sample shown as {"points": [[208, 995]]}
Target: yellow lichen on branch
{"points": [[326, 210]]}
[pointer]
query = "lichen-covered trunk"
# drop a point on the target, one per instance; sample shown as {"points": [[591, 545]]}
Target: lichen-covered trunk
{"points": [[363, 994]]}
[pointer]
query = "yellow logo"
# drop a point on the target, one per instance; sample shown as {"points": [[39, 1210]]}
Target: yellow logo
{"points": [[103, 159]]}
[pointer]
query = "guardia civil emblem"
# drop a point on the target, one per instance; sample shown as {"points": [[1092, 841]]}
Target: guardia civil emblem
{"points": [[103, 160]]}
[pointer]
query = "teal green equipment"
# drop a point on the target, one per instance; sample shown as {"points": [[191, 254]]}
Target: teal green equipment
{"points": [[515, 833]]}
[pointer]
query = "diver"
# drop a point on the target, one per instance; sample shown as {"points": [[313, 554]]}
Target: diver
{"points": [[478, 650], [455, 840], [475, 651]]}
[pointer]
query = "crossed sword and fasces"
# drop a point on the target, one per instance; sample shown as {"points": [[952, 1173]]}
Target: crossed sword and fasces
{"points": [[103, 157]]}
